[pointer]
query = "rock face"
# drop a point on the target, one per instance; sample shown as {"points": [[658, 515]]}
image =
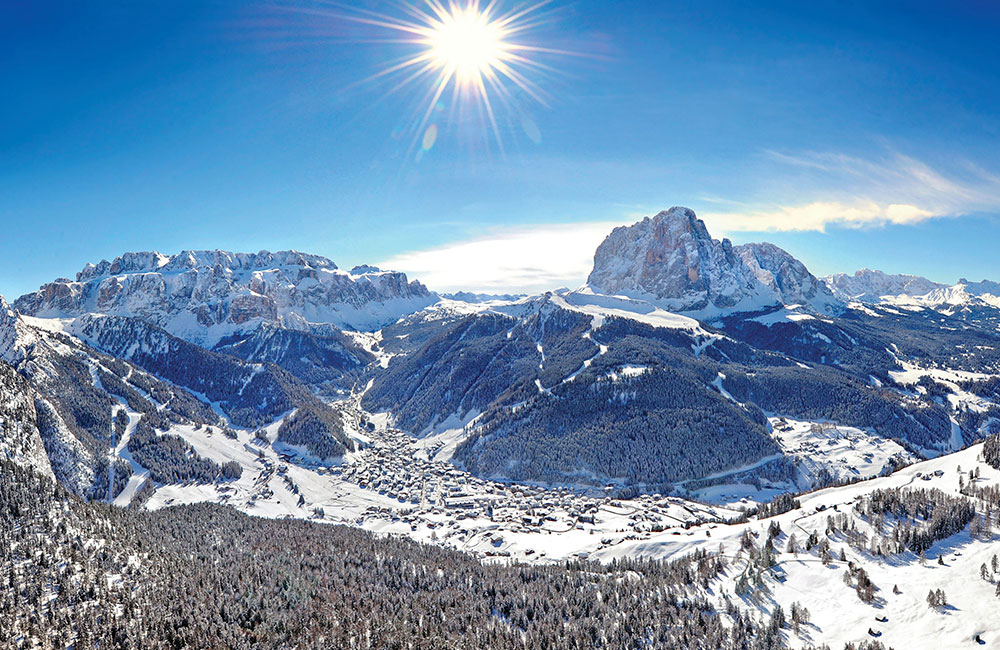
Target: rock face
{"points": [[671, 259], [867, 285], [203, 296], [788, 277]]}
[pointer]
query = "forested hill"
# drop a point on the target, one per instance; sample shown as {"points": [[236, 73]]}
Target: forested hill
{"points": [[92, 576]]}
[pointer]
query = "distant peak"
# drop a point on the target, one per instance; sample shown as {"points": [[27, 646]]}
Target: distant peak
{"points": [[868, 285], [147, 261]]}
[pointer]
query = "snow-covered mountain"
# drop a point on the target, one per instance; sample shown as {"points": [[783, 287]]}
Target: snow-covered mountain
{"points": [[870, 286], [787, 276], [203, 296], [964, 293], [672, 261], [72, 391], [876, 287]]}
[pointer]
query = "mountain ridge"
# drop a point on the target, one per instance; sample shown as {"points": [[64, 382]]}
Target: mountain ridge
{"points": [[204, 296]]}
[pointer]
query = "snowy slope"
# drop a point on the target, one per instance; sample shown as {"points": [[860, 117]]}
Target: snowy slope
{"points": [[838, 615], [390, 487]]}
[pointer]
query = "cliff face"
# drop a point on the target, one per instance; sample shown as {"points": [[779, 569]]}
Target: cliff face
{"points": [[672, 260]]}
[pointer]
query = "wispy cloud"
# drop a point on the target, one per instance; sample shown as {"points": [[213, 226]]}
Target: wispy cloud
{"points": [[895, 190], [817, 216]]}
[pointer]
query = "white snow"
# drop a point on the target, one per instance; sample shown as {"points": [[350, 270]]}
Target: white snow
{"points": [[397, 485], [838, 616], [842, 452], [783, 315], [958, 398], [601, 307]]}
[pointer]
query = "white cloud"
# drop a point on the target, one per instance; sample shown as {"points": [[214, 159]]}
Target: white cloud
{"points": [[817, 216], [526, 259]]}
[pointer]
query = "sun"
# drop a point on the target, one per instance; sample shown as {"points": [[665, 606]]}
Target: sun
{"points": [[475, 56], [466, 44]]}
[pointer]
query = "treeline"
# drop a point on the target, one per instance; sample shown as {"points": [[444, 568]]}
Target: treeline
{"points": [[664, 425], [312, 428], [466, 368], [991, 451], [318, 360], [779, 505], [822, 393], [171, 459]]}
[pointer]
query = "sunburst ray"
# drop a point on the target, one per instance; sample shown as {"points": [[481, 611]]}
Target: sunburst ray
{"points": [[471, 47]]}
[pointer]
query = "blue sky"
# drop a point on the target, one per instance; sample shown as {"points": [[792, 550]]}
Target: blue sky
{"points": [[851, 133]]}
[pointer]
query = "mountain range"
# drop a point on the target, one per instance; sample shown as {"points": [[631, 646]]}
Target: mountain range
{"points": [[205, 296], [608, 383]]}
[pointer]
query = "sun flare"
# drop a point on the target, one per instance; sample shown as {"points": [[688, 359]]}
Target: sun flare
{"points": [[474, 51]]}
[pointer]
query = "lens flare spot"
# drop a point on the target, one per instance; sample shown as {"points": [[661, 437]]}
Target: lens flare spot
{"points": [[531, 129], [430, 137]]}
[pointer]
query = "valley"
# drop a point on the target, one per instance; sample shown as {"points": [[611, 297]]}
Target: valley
{"points": [[388, 487]]}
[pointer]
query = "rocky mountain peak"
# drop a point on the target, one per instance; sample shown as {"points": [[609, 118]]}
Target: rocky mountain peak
{"points": [[671, 259], [778, 270]]}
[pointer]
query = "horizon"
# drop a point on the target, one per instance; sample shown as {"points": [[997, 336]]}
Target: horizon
{"points": [[472, 245], [851, 135]]}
